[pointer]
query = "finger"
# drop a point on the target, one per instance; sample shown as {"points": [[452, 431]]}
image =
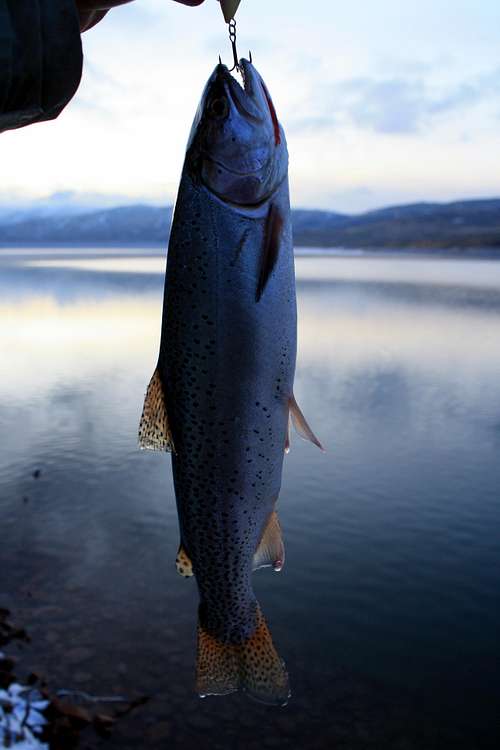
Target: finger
{"points": [[93, 11], [92, 5], [90, 18], [107, 4]]}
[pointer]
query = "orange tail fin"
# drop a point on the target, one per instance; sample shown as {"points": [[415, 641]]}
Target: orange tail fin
{"points": [[253, 667]]}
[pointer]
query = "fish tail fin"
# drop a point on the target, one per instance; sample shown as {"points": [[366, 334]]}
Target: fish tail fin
{"points": [[252, 666]]}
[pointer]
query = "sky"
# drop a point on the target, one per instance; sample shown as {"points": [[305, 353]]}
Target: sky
{"points": [[383, 102]]}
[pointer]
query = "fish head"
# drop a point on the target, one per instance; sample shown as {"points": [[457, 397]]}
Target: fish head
{"points": [[237, 148]]}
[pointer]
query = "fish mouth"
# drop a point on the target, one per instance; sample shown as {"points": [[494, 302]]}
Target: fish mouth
{"points": [[241, 167], [248, 98]]}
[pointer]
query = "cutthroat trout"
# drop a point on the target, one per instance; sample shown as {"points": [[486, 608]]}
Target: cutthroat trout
{"points": [[221, 397]]}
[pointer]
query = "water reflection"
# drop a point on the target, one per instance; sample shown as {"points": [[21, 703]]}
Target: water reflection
{"points": [[44, 343], [392, 539], [426, 271]]}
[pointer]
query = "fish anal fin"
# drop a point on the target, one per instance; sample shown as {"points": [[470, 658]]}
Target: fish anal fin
{"points": [[253, 666], [301, 425], [271, 550], [154, 429], [183, 563]]}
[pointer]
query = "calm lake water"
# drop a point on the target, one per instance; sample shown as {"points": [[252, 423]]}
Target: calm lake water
{"points": [[388, 609]]}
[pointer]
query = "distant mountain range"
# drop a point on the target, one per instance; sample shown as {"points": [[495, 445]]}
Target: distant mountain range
{"points": [[464, 224]]}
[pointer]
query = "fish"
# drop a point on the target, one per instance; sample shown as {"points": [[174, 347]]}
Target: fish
{"points": [[221, 396]]}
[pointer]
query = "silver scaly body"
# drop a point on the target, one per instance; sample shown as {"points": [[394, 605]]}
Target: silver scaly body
{"points": [[222, 393]]}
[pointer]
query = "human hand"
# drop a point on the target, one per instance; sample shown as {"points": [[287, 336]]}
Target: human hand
{"points": [[93, 11]]}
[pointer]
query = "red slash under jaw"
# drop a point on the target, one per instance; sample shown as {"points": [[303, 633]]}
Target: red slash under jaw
{"points": [[276, 125]]}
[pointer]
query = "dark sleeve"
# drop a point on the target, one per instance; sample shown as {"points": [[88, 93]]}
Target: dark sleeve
{"points": [[40, 59]]}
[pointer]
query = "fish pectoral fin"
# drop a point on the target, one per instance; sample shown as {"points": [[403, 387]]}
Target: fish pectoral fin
{"points": [[271, 550], [300, 424], [252, 666], [270, 249], [154, 430], [183, 563]]}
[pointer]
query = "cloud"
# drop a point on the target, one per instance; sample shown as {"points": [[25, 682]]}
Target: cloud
{"points": [[406, 106], [351, 97], [309, 124], [390, 106], [397, 105]]}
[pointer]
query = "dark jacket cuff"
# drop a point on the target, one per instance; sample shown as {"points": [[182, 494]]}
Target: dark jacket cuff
{"points": [[40, 59]]}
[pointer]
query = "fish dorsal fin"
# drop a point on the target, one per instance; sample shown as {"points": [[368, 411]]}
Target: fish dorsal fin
{"points": [[154, 430], [183, 563], [271, 550], [300, 424]]}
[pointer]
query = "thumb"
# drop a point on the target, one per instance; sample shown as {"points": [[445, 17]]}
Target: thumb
{"points": [[89, 18]]}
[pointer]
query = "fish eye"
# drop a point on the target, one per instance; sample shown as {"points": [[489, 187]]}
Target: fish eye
{"points": [[219, 107]]}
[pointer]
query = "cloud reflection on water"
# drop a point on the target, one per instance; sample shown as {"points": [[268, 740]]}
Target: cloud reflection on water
{"points": [[344, 323]]}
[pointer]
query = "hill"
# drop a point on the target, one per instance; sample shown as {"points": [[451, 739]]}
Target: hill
{"points": [[464, 224]]}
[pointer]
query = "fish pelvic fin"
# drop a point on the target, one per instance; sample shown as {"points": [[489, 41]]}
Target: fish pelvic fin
{"points": [[271, 550], [301, 425], [253, 666], [154, 429], [183, 563]]}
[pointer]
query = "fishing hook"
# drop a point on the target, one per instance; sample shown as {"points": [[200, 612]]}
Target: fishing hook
{"points": [[232, 39]]}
